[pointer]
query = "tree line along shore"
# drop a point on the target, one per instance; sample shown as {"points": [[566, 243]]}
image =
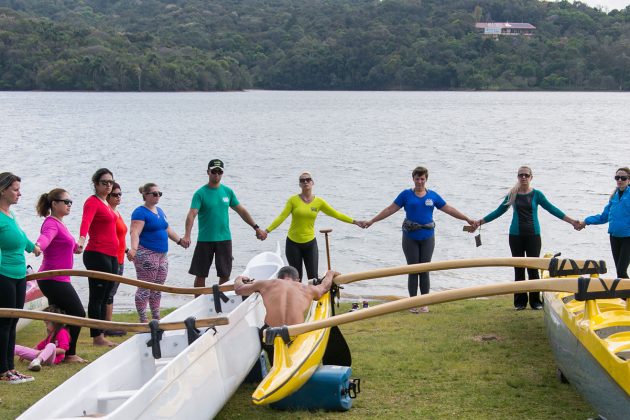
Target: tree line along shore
{"points": [[197, 45]]}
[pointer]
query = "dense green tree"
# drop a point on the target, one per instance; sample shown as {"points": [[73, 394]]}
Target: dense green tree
{"points": [[171, 45]]}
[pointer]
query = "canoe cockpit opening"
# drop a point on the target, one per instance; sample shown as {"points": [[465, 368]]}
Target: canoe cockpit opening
{"points": [[606, 332], [568, 299], [624, 355]]}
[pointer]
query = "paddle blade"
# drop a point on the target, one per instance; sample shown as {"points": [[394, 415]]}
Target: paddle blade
{"points": [[337, 351]]}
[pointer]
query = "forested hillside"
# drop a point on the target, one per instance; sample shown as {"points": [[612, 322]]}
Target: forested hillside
{"points": [[171, 45]]}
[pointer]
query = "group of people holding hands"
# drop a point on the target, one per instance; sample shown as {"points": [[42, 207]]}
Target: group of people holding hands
{"points": [[102, 240]]}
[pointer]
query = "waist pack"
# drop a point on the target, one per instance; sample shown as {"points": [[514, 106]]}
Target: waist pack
{"points": [[410, 226]]}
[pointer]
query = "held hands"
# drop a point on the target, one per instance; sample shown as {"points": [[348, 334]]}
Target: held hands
{"points": [[185, 242], [37, 251], [578, 225], [363, 224], [261, 234]]}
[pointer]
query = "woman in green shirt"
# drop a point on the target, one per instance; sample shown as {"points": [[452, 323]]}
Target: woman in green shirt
{"points": [[13, 243], [301, 245]]}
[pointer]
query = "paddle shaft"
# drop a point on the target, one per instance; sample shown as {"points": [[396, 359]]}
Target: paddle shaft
{"points": [[326, 232], [106, 325], [525, 262], [550, 285], [126, 280]]}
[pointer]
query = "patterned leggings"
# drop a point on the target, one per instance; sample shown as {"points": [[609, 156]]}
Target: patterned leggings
{"points": [[151, 266]]}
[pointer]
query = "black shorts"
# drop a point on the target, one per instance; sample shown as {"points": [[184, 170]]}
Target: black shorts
{"points": [[205, 252]]}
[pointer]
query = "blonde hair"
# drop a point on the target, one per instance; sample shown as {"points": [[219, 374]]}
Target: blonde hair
{"points": [[624, 169], [511, 195]]}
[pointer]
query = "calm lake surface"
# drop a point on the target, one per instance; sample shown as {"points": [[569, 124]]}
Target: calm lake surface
{"points": [[360, 148]]}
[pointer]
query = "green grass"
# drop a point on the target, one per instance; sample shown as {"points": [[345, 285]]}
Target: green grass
{"points": [[431, 365]]}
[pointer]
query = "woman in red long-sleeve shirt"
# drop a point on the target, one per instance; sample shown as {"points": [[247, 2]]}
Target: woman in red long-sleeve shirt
{"points": [[101, 252]]}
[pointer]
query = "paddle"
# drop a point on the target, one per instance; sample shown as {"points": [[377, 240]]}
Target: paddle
{"points": [[337, 350], [126, 280], [105, 325], [557, 267], [569, 285]]}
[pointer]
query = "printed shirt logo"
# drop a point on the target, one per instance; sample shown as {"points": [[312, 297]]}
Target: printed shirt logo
{"points": [[428, 202], [226, 199], [314, 209]]}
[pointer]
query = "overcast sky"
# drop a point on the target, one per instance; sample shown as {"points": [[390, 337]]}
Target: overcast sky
{"points": [[610, 4]]}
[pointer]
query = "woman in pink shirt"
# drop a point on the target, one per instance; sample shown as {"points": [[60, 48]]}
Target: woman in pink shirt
{"points": [[101, 252], [59, 247]]}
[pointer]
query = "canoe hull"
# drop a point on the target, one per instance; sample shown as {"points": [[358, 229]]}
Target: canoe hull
{"points": [[579, 365], [190, 381]]}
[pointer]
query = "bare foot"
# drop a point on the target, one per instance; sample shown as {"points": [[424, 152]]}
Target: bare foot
{"points": [[74, 359], [102, 341]]}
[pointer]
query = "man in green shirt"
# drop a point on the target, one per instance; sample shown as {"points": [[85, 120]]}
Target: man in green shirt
{"points": [[211, 203]]}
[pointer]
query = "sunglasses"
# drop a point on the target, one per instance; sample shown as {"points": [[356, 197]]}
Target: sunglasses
{"points": [[106, 182], [66, 202], [115, 195], [155, 193], [216, 172], [524, 175], [304, 180], [623, 178]]}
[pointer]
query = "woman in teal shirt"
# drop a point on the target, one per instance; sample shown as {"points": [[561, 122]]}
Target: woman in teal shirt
{"points": [[13, 243], [525, 229]]}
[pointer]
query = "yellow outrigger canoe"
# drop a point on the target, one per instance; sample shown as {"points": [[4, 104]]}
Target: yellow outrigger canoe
{"points": [[591, 342], [294, 363]]}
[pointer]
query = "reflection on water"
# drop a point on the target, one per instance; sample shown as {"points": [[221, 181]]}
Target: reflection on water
{"points": [[360, 147]]}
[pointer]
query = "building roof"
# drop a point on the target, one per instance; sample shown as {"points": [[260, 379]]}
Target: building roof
{"points": [[504, 25]]}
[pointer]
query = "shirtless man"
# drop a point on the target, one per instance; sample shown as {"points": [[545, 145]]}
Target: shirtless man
{"points": [[286, 299]]}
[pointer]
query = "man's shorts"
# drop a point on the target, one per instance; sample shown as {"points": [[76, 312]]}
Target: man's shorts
{"points": [[205, 252]]}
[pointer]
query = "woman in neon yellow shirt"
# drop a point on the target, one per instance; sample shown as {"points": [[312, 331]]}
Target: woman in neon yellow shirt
{"points": [[301, 245]]}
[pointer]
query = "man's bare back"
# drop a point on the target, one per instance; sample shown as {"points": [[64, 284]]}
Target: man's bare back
{"points": [[285, 300]]}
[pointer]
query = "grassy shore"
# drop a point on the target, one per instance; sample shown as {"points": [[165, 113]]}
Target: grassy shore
{"points": [[473, 359]]}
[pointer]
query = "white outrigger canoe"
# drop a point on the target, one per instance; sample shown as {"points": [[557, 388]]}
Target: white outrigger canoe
{"points": [[189, 381]]}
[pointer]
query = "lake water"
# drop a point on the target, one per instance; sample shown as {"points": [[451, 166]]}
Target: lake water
{"points": [[360, 148]]}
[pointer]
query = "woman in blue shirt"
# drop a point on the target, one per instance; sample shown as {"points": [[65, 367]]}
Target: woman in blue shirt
{"points": [[525, 229], [150, 233], [617, 215], [418, 237]]}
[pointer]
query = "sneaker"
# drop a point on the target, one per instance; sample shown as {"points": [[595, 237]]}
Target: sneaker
{"points": [[537, 307], [414, 311], [520, 307], [9, 378], [35, 365], [365, 304], [355, 307], [424, 309], [23, 377]]}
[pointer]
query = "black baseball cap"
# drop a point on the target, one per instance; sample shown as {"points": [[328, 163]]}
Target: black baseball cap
{"points": [[215, 163]]}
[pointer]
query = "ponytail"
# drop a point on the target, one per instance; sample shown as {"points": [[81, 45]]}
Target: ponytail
{"points": [[44, 203]]}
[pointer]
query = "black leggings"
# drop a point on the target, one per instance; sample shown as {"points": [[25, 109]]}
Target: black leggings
{"points": [[307, 252], [63, 295], [418, 252], [620, 247], [521, 246], [99, 289], [12, 295]]}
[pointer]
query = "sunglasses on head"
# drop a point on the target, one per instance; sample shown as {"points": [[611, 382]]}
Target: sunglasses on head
{"points": [[115, 195], [66, 202], [155, 193], [106, 182], [524, 175], [619, 177], [304, 180]]}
